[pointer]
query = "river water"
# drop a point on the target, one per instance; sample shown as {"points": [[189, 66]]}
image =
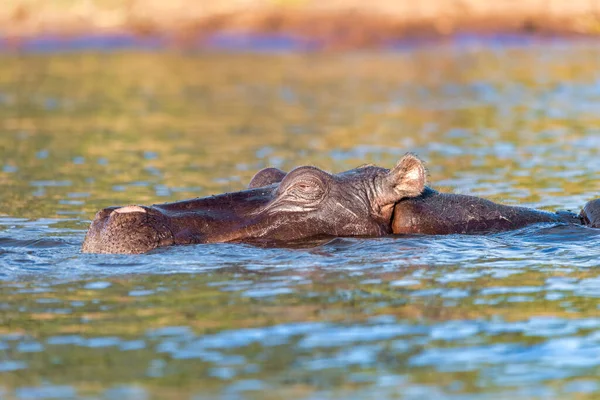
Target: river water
{"points": [[511, 315]]}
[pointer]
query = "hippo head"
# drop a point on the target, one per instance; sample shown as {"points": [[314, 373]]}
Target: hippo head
{"points": [[304, 203]]}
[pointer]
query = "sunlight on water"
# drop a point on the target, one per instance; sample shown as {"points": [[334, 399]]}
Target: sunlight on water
{"points": [[509, 315]]}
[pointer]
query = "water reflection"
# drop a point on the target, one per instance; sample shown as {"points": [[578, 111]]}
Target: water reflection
{"points": [[203, 323], [503, 315]]}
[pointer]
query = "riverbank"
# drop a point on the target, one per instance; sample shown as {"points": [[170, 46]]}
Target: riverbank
{"points": [[332, 24]]}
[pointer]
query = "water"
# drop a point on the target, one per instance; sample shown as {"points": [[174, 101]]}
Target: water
{"points": [[510, 315]]}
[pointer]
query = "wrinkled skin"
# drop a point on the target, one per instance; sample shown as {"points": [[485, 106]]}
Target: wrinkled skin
{"points": [[436, 213], [304, 203]]}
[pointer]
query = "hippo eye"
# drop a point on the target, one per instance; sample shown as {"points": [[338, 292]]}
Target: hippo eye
{"points": [[302, 190], [308, 189]]}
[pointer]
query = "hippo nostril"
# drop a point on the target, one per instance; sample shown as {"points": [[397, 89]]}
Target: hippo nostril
{"points": [[129, 209]]}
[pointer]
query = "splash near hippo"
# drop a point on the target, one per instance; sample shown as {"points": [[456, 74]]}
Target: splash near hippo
{"points": [[307, 202]]}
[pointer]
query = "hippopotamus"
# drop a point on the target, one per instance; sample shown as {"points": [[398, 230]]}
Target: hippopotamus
{"points": [[308, 203]]}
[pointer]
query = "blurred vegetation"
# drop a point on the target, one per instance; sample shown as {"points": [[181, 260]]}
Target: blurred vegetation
{"points": [[337, 23]]}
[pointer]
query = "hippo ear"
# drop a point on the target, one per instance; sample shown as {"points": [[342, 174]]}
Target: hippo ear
{"points": [[266, 177], [406, 179]]}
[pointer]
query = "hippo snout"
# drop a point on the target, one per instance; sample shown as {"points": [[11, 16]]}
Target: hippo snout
{"points": [[130, 230]]}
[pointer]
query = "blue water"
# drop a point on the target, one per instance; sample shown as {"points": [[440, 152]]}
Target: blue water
{"points": [[43, 247]]}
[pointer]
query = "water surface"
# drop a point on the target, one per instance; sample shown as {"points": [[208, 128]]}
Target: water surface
{"points": [[510, 315]]}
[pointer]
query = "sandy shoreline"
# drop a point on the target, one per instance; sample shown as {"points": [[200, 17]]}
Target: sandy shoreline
{"points": [[335, 24]]}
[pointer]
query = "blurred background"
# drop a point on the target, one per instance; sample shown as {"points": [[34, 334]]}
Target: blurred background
{"points": [[138, 102], [336, 23]]}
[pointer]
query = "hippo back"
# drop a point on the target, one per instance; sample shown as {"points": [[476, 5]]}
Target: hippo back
{"points": [[437, 213]]}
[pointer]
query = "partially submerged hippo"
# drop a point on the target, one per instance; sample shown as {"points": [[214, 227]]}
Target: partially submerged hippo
{"points": [[308, 202]]}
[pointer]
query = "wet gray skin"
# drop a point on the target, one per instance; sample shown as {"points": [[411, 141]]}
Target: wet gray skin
{"points": [[436, 213], [304, 203]]}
